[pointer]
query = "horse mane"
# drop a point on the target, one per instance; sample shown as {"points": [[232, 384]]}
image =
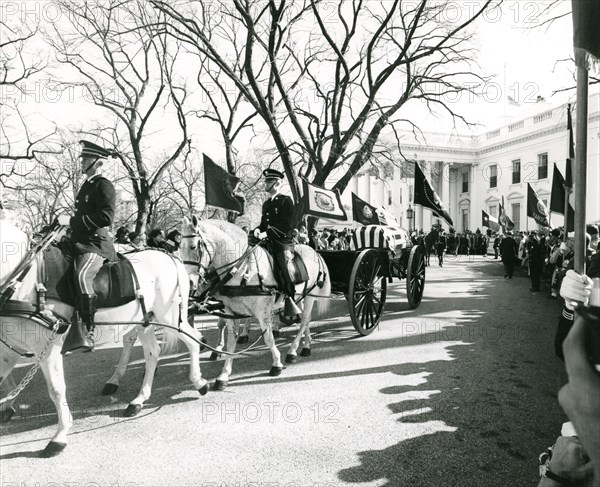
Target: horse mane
{"points": [[225, 231]]}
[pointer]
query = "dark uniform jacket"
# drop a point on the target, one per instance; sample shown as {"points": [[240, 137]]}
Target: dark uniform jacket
{"points": [[277, 215], [441, 244], [94, 212], [508, 249]]}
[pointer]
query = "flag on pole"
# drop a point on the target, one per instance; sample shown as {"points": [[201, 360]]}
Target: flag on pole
{"points": [[536, 208], [571, 158], [586, 34], [220, 187], [557, 198], [363, 212], [489, 221], [386, 218], [428, 198], [505, 222], [322, 203]]}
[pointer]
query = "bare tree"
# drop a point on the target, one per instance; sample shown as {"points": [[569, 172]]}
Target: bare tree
{"points": [[130, 71], [18, 66], [327, 95]]}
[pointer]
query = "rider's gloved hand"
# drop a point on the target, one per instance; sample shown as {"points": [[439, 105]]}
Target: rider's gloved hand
{"points": [[575, 288], [64, 220], [259, 235]]}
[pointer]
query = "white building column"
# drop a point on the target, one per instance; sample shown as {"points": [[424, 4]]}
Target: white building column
{"points": [[446, 185], [475, 206]]}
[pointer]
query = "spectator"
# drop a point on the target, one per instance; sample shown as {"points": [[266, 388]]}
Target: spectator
{"points": [[122, 236], [173, 241], [302, 235], [156, 238], [593, 232], [535, 254]]}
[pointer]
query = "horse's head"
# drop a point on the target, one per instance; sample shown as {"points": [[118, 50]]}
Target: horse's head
{"points": [[15, 245], [194, 251]]}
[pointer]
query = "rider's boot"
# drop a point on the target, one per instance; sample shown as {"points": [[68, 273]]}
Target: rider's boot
{"points": [[81, 332], [76, 339]]}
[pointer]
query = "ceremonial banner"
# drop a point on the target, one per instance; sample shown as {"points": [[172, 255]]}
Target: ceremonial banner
{"points": [[571, 158], [323, 203], [586, 34], [536, 208], [428, 198], [363, 212], [220, 187], [505, 222], [489, 221], [557, 198]]}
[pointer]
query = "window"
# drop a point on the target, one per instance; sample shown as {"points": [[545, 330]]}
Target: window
{"points": [[493, 176], [410, 194], [516, 216], [465, 220], [400, 195], [543, 165], [516, 171], [389, 198], [465, 181], [493, 210]]}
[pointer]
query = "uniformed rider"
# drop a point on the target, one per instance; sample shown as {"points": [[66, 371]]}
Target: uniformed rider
{"points": [[276, 228], [94, 212]]}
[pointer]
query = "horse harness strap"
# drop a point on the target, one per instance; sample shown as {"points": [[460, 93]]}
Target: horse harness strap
{"points": [[138, 291]]}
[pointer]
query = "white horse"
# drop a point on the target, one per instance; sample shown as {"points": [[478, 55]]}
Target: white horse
{"points": [[216, 244], [165, 287]]}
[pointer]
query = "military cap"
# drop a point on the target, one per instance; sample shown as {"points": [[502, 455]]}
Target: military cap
{"points": [[272, 174], [94, 150]]}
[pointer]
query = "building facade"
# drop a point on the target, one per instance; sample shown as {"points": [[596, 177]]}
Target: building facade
{"points": [[473, 173]]}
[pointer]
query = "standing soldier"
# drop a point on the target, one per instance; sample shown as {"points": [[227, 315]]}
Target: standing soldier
{"points": [[508, 250], [441, 247], [94, 212], [276, 227]]}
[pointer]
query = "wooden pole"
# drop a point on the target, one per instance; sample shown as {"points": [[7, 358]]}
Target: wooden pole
{"points": [[581, 168]]}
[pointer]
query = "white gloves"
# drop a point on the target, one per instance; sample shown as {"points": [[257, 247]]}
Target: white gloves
{"points": [[64, 220], [259, 235], [575, 288]]}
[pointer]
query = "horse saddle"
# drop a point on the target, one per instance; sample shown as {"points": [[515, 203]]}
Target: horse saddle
{"points": [[295, 266], [114, 284]]}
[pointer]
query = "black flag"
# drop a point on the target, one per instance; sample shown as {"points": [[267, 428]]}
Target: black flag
{"points": [[557, 199], [428, 198], [536, 208], [220, 187], [363, 212], [586, 34]]}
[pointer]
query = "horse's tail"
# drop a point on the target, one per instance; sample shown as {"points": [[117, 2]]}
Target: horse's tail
{"points": [[179, 314]]}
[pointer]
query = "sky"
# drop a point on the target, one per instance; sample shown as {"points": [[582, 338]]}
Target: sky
{"points": [[513, 48]]}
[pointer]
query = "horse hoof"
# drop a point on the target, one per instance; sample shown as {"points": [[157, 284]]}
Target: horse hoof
{"points": [[203, 390], [109, 389], [53, 449], [132, 410], [7, 414], [215, 356], [219, 385], [305, 352], [243, 339], [291, 359], [276, 333], [275, 371]]}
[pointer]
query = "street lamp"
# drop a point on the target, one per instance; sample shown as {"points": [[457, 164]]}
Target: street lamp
{"points": [[409, 216]]}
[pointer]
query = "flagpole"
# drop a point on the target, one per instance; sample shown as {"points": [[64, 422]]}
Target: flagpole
{"points": [[581, 168]]}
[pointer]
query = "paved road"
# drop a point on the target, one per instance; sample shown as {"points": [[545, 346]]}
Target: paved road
{"points": [[460, 392]]}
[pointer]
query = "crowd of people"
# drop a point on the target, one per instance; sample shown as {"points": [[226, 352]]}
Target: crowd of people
{"points": [[157, 239]]}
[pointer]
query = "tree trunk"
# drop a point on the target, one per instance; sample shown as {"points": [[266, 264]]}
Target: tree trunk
{"points": [[143, 213]]}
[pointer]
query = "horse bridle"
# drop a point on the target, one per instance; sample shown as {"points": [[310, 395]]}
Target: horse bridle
{"points": [[203, 251]]}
